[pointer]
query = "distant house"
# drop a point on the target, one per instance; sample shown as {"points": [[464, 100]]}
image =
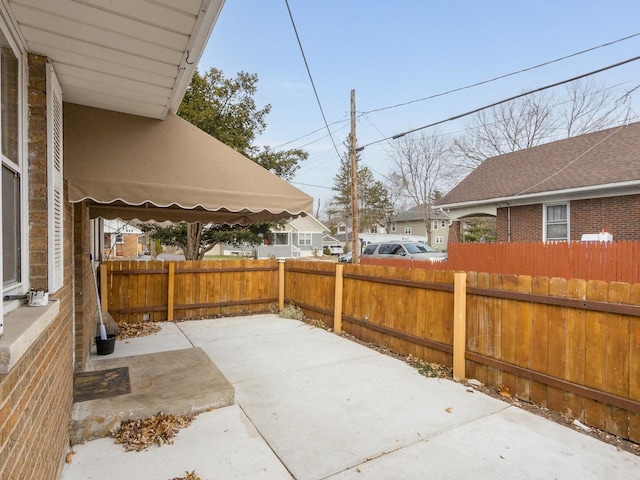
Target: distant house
{"points": [[411, 222], [558, 191], [300, 237], [121, 240]]}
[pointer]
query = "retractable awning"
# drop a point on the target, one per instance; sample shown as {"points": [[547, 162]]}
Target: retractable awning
{"points": [[133, 167]]}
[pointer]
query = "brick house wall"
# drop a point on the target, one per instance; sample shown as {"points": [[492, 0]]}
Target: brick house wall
{"points": [[36, 394], [85, 296], [619, 216]]}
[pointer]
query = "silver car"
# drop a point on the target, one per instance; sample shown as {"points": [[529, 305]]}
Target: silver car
{"points": [[412, 250]]}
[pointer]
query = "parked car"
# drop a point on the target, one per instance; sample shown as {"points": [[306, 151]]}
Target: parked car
{"points": [[335, 250], [412, 250], [346, 258]]}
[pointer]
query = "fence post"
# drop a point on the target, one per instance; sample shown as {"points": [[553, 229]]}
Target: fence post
{"points": [[281, 283], [172, 274], [459, 324], [104, 291], [337, 302]]}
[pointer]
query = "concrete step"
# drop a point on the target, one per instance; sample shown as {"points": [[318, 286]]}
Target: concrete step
{"points": [[180, 382]]}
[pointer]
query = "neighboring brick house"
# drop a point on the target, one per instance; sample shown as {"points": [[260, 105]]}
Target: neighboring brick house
{"points": [[121, 240], [411, 222], [558, 191]]}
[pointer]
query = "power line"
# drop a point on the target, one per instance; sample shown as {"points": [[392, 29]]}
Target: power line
{"points": [[515, 97], [483, 82], [306, 64]]}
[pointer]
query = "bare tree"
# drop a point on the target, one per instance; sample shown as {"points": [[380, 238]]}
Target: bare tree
{"points": [[591, 107], [421, 168], [505, 128], [539, 118]]}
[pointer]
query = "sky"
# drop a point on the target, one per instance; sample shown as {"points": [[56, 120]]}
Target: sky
{"points": [[399, 52]]}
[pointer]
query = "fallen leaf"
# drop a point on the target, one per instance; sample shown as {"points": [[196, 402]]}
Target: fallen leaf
{"points": [[504, 391], [69, 457], [449, 409]]}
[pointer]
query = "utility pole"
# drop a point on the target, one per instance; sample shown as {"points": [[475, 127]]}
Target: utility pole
{"points": [[355, 247]]}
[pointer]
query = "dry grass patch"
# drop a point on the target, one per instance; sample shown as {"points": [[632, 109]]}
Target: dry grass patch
{"points": [[139, 434]]}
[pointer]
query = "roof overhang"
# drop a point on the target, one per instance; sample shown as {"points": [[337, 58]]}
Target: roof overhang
{"points": [[133, 167], [582, 193], [131, 56]]}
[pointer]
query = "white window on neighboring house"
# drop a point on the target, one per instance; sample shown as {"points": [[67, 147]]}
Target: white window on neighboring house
{"points": [[281, 238], [439, 240], [556, 222], [393, 226], [435, 224], [407, 230], [119, 239], [443, 223], [14, 212], [304, 239]]}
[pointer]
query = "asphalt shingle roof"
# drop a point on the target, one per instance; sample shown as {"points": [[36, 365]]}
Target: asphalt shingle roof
{"points": [[606, 157]]}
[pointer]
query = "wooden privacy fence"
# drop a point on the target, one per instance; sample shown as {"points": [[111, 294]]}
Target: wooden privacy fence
{"points": [[133, 291], [608, 261], [569, 345]]}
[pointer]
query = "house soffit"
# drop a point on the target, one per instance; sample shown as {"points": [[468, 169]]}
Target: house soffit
{"points": [[129, 56]]}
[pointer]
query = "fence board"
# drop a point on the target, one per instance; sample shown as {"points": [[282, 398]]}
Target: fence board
{"points": [[617, 367], [523, 336], [557, 344], [539, 341], [634, 365], [508, 338], [596, 354]]}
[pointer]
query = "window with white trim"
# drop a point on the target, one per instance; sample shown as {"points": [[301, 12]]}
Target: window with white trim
{"points": [[556, 222], [407, 230], [13, 180], [304, 238], [435, 225], [393, 226], [439, 240], [280, 238]]}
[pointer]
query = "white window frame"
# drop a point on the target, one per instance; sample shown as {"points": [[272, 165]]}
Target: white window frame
{"points": [[275, 241], [407, 230], [439, 240], [305, 238], [21, 169], [545, 237], [435, 225], [393, 226], [22, 285]]}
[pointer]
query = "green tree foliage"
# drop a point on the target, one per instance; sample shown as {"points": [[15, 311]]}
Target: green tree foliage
{"points": [[480, 229], [374, 205], [225, 109], [178, 235]]}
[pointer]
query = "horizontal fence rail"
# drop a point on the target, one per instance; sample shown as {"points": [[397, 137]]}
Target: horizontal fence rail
{"points": [[570, 345]]}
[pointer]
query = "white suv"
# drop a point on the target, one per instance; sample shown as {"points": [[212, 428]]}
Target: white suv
{"points": [[335, 250], [413, 250]]}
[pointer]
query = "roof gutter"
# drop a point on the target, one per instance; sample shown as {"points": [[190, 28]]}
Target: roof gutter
{"points": [[608, 190], [209, 13]]}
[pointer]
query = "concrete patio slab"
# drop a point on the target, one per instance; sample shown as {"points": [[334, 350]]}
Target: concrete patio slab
{"points": [[221, 444], [324, 407], [180, 382]]}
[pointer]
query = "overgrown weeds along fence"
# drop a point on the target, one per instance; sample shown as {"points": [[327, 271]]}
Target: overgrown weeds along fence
{"points": [[569, 345]]}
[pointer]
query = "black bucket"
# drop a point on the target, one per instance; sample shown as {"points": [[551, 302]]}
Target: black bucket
{"points": [[106, 347]]}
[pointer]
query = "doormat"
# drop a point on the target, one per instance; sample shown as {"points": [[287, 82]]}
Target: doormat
{"points": [[101, 384]]}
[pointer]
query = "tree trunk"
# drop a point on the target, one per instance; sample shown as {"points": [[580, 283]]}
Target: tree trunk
{"points": [[194, 235]]}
